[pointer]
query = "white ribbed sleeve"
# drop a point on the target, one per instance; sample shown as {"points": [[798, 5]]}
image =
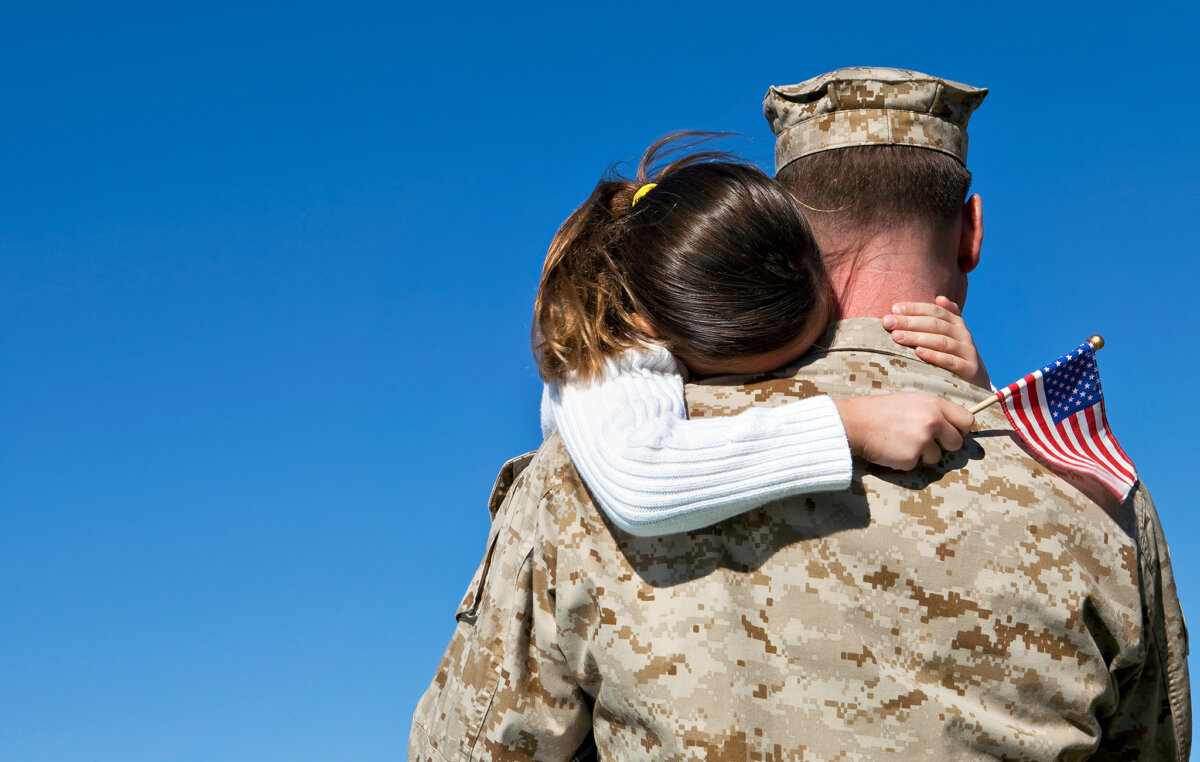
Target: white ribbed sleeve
{"points": [[655, 472]]}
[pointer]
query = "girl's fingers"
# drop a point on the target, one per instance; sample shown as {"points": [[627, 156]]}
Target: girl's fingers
{"points": [[947, 305], [925, 325], [939, 336], [958, 417], [925, 309], [946, 361], [949, 438], [937, 341], [931, 453]]}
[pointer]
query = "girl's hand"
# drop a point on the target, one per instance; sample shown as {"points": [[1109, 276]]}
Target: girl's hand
{"points": [[898, 430], [940, 337]]}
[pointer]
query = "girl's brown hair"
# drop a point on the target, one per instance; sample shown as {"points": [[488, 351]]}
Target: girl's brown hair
{"points": [[716, 258]]}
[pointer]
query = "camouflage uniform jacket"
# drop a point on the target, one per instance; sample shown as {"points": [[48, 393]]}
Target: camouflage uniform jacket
{"points": [[980, 608]]}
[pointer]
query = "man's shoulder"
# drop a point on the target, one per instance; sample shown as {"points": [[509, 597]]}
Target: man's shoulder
{"points": [[993, 486], [529, 482]]}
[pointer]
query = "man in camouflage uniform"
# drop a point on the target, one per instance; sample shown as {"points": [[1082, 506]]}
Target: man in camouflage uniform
{"points": [[982, 607]]}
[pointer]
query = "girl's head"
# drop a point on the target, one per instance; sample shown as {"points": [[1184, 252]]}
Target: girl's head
{"points": [[715, 263]]}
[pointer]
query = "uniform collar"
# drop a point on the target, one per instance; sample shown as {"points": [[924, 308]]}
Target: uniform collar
{"points": [[858, 335]]}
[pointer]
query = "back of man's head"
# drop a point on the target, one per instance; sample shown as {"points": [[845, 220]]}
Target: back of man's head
{"points": [[849, 193], [867, 149]]}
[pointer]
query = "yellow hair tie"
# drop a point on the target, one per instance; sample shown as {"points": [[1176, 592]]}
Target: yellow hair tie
{"points": [[642, 191]]}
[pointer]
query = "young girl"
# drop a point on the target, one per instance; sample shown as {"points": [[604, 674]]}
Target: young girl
{"points": [[709, 269]]}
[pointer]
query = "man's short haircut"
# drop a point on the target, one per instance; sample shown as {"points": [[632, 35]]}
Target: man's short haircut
{"points": [[849, 192]]}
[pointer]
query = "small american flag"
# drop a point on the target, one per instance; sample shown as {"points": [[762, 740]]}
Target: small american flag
{"points": [[1059, 413]]}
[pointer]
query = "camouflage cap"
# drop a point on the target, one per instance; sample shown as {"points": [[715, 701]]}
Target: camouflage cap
{"points": [[866, 105]]}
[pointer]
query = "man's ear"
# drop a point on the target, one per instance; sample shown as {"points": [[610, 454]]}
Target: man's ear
{"points": [[971, 240]]}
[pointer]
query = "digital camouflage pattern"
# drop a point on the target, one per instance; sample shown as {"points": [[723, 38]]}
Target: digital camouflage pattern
{"points": [[863, 105], [982, 608]]}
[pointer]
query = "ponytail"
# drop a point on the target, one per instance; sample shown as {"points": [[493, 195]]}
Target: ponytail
{"points": [[583, 310]]}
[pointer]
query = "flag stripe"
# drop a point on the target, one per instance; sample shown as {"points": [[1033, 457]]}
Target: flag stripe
{"points": [[1088, 433], [1030, 431], [1023, 424], [1106, 436], [1103, 435], [1046, 429], [1070, 430], [1074, 426]]}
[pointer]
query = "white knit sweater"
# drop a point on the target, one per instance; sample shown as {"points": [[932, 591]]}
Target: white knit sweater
{"points": [[655, 472]]}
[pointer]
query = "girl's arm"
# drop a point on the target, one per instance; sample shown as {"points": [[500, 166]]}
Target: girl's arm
{"points": [[655, 472]]}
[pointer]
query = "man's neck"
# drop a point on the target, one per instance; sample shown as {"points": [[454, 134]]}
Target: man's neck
{"points": [[885, 271]]}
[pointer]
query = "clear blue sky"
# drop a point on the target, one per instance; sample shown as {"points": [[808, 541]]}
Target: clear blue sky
{"points": [[266, 273]]}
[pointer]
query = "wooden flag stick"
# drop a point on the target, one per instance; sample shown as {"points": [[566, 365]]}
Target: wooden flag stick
{"points": [[1097, 343]]}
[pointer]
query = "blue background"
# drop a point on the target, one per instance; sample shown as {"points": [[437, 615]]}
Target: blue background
{"points": [[266, 273]]}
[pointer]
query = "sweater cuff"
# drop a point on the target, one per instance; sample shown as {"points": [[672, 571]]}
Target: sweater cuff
{"points": [[819, 416]]}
